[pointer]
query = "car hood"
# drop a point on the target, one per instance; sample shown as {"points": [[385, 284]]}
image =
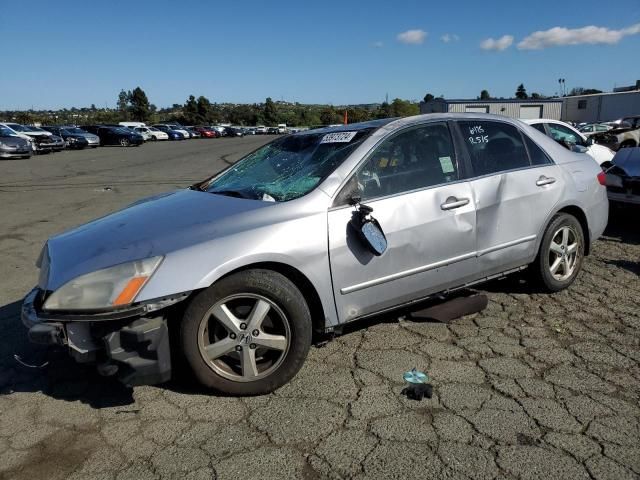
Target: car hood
{"points": [[627, 162], [153, 226]]}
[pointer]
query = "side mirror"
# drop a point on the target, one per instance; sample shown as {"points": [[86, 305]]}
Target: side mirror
{"points": [[590, 141], [578, 148], [373, 236], [368, 228]]}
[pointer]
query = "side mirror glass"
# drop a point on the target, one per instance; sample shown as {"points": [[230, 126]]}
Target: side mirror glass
{"points": [[369, 230], [374, 237]]}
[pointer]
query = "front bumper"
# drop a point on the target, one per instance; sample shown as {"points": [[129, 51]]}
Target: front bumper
{"points": [[15, 152], [134, 348]]}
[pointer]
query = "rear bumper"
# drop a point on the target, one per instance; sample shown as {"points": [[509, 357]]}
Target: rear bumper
{"points": [[134, 348], [624, 198]]}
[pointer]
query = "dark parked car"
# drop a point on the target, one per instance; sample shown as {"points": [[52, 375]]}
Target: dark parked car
{"points": [[233, 132], [623, 176], [12, 146], [71, 139], [110, 135]]}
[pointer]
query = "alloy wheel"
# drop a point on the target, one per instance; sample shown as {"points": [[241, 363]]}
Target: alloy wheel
{"points": [[244, 337], [563, 253], [124, 142]]}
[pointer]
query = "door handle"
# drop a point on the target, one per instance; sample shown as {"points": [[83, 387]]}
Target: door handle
{"points": [[453, 202], [542, 181]]}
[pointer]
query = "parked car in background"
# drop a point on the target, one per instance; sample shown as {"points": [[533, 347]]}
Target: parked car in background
{"points": [[233, 132], [143, 131], [176, 128], [623, 176], [73, 140], [592, 128], [157, 134], [571, 138], [40, 142], [310, 232], [273, 131], [94, 140], [56, 143], [13, 146], [193, 132], [172, 134], [206, 132], [261, 130], [110, 135], [221, 130], [625, 133], [132, 124], [179, 128]]}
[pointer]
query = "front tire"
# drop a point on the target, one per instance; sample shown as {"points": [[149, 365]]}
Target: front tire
{"points": [[124, 142], [247, 334], [561, 253]]}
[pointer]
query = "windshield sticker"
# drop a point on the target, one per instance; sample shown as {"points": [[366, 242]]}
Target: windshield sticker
{"points": [[446, 164], [338, 137]]}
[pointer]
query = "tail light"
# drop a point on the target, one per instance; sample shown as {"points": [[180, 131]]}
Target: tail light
{"points": [[602, 178]]}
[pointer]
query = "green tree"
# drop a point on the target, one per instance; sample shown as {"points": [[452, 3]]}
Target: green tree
{"points": [[484, 95], [521, 92], [190, 111], [329, 116], [123, 104], [383, 111], [203, 110], [403, 108], [139, 108], [270, 114], [428, 97]]}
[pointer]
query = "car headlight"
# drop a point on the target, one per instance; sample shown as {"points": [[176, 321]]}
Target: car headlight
{"points": [[72, 139], [111, 287]]}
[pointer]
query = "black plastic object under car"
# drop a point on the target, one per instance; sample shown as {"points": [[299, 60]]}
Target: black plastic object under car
{"points": [[623, 176]]}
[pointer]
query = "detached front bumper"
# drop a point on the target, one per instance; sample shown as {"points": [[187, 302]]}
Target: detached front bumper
{"points": [[133, 347]]}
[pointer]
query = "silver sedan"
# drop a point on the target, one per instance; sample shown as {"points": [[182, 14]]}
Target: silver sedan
{"points": [[308, 233]]}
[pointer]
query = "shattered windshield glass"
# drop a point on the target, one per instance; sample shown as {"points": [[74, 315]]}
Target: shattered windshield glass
{"points": [[287, 168]]}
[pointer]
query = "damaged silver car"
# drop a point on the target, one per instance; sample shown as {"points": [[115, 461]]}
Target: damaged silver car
{"points": [[310, 232]]}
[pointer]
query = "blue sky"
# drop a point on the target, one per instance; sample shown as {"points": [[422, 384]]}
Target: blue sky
{"points": [[75, 53]]}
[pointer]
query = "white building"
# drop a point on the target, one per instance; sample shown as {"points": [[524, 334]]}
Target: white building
{"points": [[601, 107], [514, 108]]}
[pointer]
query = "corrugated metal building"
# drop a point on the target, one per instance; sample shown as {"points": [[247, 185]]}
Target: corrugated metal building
{"points": [[601, 107], [514, 108]]}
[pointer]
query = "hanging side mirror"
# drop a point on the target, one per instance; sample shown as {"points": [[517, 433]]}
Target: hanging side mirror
{"points": [[369, 230]]}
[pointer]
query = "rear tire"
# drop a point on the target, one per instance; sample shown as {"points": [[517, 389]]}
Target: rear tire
{"points": [[232, 347], [561, 254]]}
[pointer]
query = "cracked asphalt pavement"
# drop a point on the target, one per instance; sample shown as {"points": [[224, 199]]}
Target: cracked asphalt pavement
{"points": [[536, 386]]}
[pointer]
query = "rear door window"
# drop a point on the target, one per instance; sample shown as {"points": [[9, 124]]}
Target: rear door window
{"points": [[494, 146]]}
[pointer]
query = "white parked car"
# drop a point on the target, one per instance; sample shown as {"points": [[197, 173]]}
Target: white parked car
{"points": [[568, 135], [593, 128], [156, 134]]}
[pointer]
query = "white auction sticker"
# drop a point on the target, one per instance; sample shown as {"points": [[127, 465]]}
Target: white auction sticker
{"points": [[338, 137]]}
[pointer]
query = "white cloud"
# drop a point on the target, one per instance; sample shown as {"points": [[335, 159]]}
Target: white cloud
{"points": [[500, 44], [377, 44], [559, 36], [449, 37], [412, 37]]}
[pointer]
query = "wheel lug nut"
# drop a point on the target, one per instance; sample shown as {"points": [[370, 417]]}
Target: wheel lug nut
{"points": [[243, 326], [232, 336], [238, 348], [255, 333], [252, 346]]}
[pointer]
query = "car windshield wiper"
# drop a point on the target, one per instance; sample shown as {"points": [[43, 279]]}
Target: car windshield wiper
{"points": [[232, 193]]}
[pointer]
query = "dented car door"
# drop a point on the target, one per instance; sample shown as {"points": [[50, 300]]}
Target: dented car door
{"points": [[420, 199], [515, 188]]}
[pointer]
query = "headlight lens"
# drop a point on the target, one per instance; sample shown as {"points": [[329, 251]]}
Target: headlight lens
{"points": [[112, 287]]}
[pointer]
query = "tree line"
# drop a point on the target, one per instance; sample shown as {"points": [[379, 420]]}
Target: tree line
{"points": [[134, 105], [521, 94]]}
